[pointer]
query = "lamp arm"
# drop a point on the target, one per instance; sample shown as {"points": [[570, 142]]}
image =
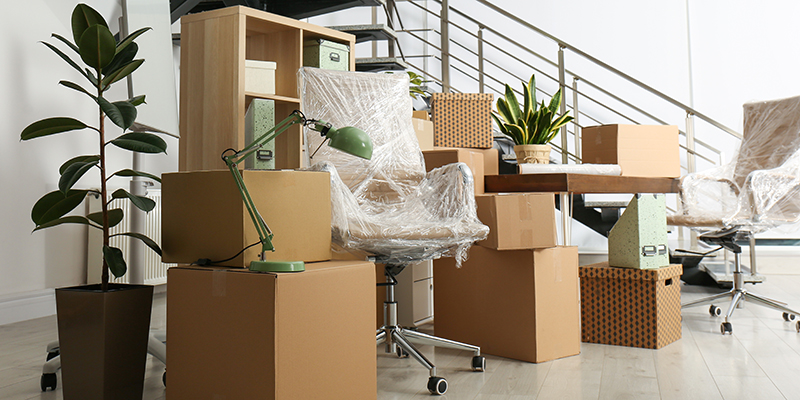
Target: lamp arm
{"points": [[264, 233], [295, 117]]}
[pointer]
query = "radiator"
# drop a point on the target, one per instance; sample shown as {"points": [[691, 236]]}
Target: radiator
{"points": [[154, 271]]}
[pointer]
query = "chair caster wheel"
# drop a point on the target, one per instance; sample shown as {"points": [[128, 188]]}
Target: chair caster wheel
{"points": [[714, 311], [726, 328], [53, 354], [401, 353], [797, 326], [478, 364], [437, 385], [49, 381], [788, 317], [164, 379]]}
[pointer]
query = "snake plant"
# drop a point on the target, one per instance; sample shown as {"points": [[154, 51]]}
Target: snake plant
{"points": [[532, 123]]}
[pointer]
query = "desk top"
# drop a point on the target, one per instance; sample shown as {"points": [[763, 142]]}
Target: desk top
{"points": [[578, 183]]}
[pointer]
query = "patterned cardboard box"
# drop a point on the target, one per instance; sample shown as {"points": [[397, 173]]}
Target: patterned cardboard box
{"points": [[630, 307], [462, 120]]}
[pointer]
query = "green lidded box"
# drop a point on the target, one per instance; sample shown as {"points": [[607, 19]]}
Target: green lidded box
{"points": [[639, 238], [260, 118], [326, 54]]}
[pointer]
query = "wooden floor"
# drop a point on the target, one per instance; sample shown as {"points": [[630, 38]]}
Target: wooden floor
{"points": [[761, 360]]}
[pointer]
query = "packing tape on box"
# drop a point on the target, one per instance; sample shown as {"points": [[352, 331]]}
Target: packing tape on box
{"points": [[524, 208], [219, 283]]}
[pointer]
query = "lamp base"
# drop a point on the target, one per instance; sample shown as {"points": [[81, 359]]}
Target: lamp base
{"points": [[277, 266]]}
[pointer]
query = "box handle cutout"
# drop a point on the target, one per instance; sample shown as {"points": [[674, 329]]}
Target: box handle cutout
{"points": [[334, 57], [668, 282], [265, 155]]}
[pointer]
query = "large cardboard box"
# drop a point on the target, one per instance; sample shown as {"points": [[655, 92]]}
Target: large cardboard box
{"points": [[630, 307], [203, 216], [640, 150], [520, 304], [518, 221], [237, 334], [424, 130], [462, 119], [439, 157], [491, 161]]}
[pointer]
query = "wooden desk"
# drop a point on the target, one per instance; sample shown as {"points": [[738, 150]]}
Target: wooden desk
{"points": [[568, 184]]}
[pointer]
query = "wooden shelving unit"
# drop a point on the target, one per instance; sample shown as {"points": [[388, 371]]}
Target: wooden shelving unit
{"points": [[214, 46]]}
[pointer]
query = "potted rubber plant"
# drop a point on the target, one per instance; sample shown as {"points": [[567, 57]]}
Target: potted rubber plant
{"points": [[103, 329], [531, 126]]}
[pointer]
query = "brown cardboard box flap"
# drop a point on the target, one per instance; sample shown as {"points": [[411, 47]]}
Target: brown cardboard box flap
{"points": [[603, 270]]}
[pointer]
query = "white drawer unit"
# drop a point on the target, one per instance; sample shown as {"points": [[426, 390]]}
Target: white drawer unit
{"points": [[414, 294]]}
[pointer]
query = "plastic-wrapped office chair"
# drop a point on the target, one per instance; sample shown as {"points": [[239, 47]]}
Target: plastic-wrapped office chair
{"points": [[389, 206], [755, 192]]}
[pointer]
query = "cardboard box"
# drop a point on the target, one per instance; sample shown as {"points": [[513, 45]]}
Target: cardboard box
{"points": [[640, 150], [462, 119], [237, 334], [424, 130], [203, 216], [520, 304], [639, 238], [442, 156], [491, 161], [259, 76], [630, 307], [518, 221], [422, 114]]}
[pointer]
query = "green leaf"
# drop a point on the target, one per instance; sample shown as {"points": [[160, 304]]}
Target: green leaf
{"points": [[115, 260], [114, 217], [138, 100], [121, 58], [130, 172], [516, 133], [122, 72], [527, 110], [67, 42], [77, 159], [74, 219], [555, 102], [75, 86], [141, 142], [55, 205], [51, 126], [513, 104], [121, 113], [504, 111], [83, 17], [149, 242], [72, 173], [499, 124], [68, 60], [123, 45], [532, 92], [97, 46], [141, 202], [91, 77]]}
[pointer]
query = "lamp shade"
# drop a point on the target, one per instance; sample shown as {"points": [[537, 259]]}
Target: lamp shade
{"points": [[351, 141]]}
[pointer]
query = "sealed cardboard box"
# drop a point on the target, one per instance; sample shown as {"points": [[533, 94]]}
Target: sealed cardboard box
{"points": [[462, 119], [520, 304], [640, 150], [424, 130], [491, 161], [203, 216], [442, 156], [421, 114], [237, 334], [630, 307], [518, 221]]}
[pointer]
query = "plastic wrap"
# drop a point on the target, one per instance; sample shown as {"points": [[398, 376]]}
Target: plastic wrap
{"points": [[758, 190], [588, 169], [387, 206]]}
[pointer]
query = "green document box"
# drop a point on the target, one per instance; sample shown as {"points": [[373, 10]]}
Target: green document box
{"points": [[260, 118], [326, 54], [639, 238]]}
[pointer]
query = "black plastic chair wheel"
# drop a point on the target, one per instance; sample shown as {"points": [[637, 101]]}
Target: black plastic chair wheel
{"points": [[797, 326], [164, 378], [53, 354], [437, 385], [49, 381], [478, 363], [788, 317], [726, 328], [714, 311]]}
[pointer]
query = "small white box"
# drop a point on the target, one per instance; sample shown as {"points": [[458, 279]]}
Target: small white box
{"points": [[259, 76]]}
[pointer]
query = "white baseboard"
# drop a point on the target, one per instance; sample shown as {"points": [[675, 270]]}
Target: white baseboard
{"points": [[29, 305]]}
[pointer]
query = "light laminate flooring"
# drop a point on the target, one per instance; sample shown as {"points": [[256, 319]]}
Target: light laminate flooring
{"points": [[761, 360]]}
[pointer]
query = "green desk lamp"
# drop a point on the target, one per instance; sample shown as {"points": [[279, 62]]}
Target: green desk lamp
{"points": [[348, 139]]}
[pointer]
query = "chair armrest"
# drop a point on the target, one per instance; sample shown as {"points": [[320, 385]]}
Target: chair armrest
{"points": [[448, 183], [689, 193]]}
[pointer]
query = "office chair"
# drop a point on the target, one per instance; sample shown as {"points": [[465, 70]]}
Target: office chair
{"points": [[757, 191], [389, 207]]}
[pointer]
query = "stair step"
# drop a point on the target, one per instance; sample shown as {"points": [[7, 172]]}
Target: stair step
{"points": [[606, 204], [366, 33], [380, 64], [291, 9]]}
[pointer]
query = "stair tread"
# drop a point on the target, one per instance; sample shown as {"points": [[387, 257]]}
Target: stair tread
{"points": [[380, 64], [366, 33], [606, 204]]}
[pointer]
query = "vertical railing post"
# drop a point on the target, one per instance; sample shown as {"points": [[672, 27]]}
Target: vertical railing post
{"points": [[480, 58], [562, 85], [375, 22], [444, 23], [576, 129], [390, 22], [691, 165]]}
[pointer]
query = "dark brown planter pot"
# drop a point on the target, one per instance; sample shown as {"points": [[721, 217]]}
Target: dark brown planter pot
{"points": [[103, 340]]}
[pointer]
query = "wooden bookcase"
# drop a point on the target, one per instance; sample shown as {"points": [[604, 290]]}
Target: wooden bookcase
{"points": [[214, 46]]}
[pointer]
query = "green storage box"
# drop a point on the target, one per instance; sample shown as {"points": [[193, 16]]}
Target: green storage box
{"points": [[326, 54], [639, 238], [260, 118]]}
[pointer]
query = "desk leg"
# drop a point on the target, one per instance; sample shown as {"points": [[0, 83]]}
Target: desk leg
{"points": [[566, 218]]}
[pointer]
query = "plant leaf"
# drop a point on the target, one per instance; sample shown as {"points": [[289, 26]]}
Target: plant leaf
{"points": [[141, 142], [73, 219], [149, 242], [71, 161], [51, 126], [138, 100], [130, 38], [555, 102], [130, 172], [503, 110], [122, 72], [55, 205], [121, 113], [75, 86], [114, 217], [121, 58], [115, 260], [532, 91], [97, 46], [83, 17], [513, 104], [516, 133], [499, 124], [72, 173], [141, 202], [68, 60], [67, 42]]}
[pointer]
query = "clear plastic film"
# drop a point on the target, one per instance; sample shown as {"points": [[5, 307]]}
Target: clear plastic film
{"points": [[387, 206], [588, 169], [758, 190]]}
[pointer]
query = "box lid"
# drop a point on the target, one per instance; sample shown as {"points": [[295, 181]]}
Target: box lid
{"points": [[461, 97], [260, 64], [328, 44], [603, 270]]}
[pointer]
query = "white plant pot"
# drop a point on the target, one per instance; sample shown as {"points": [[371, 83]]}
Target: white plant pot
{"points": [[532, 153]]}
